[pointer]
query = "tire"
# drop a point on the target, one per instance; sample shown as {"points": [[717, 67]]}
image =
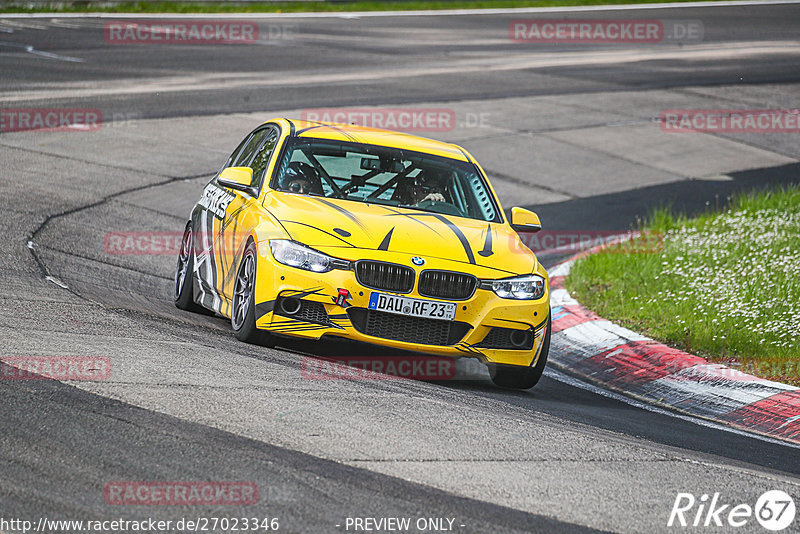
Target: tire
{"points": [[183, 292], [522, 377], [243, 308]]}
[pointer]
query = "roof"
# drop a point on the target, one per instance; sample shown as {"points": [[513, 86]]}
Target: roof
{"points": [[375, 136]]}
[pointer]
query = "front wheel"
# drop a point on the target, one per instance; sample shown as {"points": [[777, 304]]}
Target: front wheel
{"points": [[518, 376], [243, 307], [184, 274]]}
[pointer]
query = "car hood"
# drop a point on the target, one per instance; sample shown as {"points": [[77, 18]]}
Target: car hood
{"points": [[328, 222]]}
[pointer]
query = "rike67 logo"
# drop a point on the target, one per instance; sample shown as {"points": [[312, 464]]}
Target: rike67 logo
{"points": [[774, 510]]}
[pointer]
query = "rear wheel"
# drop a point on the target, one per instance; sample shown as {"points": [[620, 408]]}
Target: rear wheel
{"points": [[520, 377], [183, 293], [243, 307]]}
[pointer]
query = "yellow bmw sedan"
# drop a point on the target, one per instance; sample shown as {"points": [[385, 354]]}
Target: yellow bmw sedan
{"points": [[315, 230]]}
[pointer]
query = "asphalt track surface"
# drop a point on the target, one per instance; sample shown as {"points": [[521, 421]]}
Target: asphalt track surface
{"points": [[565, 129]]}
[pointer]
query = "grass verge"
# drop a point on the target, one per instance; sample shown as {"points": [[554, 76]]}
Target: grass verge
{"points": [[724, 285], [91, 6]]}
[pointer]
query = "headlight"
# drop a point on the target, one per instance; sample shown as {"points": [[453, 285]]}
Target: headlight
{"points": [[300, 256], [528, 287]]}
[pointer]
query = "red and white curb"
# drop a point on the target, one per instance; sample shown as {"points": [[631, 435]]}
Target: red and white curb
{"points": [[619, 359]]}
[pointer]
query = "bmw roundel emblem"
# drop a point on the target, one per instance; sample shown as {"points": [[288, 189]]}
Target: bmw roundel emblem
{"points": [[416, 260]]}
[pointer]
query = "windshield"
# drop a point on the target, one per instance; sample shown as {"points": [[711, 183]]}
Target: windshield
{"points": [[388, 176]]}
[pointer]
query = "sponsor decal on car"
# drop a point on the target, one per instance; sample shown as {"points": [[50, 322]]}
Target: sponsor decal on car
{"points": [[216, 200], [342, 298]]}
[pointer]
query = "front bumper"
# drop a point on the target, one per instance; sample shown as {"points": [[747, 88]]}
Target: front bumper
{"points": [[303, 304]]}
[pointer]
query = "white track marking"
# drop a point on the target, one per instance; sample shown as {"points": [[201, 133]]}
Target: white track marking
{"points": [[24, 25], [49, 55], [57, 282]]}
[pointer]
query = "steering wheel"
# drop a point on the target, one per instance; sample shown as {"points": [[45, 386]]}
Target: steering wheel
{"points": [[439, 207]]}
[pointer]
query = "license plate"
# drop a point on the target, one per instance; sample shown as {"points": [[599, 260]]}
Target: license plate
{"points": [[415, 307]]}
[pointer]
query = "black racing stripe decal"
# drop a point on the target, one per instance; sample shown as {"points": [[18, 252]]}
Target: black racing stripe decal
{"points": [[411, 216], [469, 349], [459, 234], [535, 328], [320, 229], [300, 293], [510, 321], [304, 130], [299, 325], [289, 321], [280, 320], [455, 229], [294, 323], [212, 262], [264, 308], [345, 133], [385, 243], [541, 325], [225, 271], [487, 245], [229, 272], [299, 328], [343, 211]]}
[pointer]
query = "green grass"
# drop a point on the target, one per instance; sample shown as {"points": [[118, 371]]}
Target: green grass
{"points": [[724, 285], [77, 6]]}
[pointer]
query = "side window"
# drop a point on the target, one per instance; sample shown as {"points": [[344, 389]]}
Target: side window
{"points": [[261, 159], [244, 156], [236, 152]]}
